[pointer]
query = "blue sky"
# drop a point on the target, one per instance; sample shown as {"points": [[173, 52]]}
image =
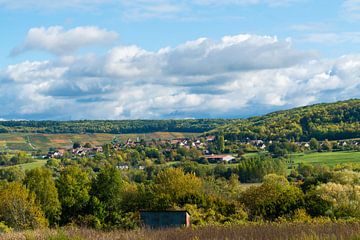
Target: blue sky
{"points": [[123, 59]]}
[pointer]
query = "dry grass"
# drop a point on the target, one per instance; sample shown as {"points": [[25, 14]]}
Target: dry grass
{"points": [[304, 231]]}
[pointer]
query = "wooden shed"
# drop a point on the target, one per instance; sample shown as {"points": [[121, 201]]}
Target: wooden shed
{"points": [[165, 219]]}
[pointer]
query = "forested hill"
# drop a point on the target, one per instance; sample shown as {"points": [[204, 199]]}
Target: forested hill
{"points": [[113, 126], [340, 120]]}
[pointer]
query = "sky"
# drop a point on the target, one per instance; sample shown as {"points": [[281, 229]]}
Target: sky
{"points": [[160, 59]]}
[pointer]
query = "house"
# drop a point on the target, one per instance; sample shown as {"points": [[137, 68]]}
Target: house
{"points": [[262, 146], [55, 154], [210, 138], [165, 219], [220, 158], [122, 166]]}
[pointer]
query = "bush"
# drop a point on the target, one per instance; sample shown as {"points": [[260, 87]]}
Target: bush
{"points": [[4, 228]]}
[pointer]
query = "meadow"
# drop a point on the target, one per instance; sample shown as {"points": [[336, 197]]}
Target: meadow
{"points": [[278, 231], [327, 158]]}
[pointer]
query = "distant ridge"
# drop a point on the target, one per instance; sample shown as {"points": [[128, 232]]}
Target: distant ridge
{"points": [[339, 120]]}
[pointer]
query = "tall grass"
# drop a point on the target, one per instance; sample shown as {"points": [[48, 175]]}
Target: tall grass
{"points": [[293, 231]]}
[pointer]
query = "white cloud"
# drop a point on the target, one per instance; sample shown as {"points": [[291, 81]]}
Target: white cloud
{"points": [[234, 76], [351, 9], [333, 37], [59, 41]]}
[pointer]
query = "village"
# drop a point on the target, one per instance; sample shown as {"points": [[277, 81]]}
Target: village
{"points": [[207, 147]]}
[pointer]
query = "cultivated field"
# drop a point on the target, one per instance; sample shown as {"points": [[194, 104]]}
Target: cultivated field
{"points": [[295, 231], [33, 142], [327, 158]]}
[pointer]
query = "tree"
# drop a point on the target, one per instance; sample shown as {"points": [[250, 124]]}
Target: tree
{"points": [[336, 200], [107, 188], [327, 146], [314, 144], [12, 174], [172, 187], [221, 143], [76, 145], [273, 199], [73, 185], [41, 182], [87, 145], [18, 208]]}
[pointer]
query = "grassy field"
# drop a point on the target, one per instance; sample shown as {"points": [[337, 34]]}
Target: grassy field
{"points": [[32, 165], [327, 158], [33, 142], [295, 231]]}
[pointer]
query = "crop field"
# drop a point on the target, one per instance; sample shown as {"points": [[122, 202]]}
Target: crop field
{"points": [[34, 142], [327, 158]]}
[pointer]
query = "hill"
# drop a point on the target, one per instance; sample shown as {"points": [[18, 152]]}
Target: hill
{"points": [[111, 126], [340, 120], [42, 141]]}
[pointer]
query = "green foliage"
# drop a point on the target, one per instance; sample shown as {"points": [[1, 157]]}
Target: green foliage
{"points": [[73, 186], [7, 159], [41, 182], [4, 228], [18, 208], [107, 196], [273, 199], [112, 126], [172, 187], [254, 169], [314, 144], [221, 143], [12, 174], [340, 200], [332, 121]]}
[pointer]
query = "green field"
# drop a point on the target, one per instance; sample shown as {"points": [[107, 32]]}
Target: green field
{"points": [[32, 165], [327, 158], [33, 142]]}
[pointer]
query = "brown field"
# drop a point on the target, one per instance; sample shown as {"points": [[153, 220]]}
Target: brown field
{"points": [[294, 231], [33, 142]]}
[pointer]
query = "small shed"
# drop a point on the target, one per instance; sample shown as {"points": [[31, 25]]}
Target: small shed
{"points": [[165, 219]]}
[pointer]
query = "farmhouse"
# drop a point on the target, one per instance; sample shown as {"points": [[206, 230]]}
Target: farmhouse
{"points": [[210, 138], [219, 158], [165, 219]]}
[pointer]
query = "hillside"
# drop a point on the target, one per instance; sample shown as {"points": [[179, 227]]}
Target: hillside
{"points": [[111, 126], [43, 141], [340, 120]]}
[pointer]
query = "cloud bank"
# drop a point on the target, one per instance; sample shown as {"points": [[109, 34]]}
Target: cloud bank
{"points": [[56, 40], [235, 76]]}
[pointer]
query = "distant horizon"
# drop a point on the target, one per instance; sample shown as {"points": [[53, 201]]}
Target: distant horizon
{"points": [[164, 119]]}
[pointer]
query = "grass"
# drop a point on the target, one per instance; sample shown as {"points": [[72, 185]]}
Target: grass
{"points": [[29, 166], [327, 158], [300, 231]]}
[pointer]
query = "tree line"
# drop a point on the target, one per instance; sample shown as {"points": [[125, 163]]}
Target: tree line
{"points": [[333, 121], [112, 126]]}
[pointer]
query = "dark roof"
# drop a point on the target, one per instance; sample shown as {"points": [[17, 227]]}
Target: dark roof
{"points": [[165, 211]]}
